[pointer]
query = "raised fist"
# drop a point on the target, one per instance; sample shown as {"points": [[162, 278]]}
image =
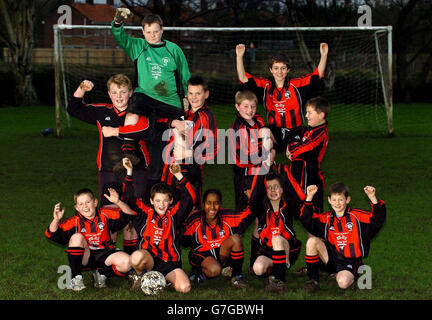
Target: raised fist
{"points": [[86, 85], [122, 14], [240, 49], [311, 190]]}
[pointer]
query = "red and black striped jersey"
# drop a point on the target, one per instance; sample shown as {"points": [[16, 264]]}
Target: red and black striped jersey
{"points": [[202, 139], [310, 151], [158, 233], [350, 234], [96, 231], [102, 114], [244, 143], [285, 105], [201, 236]]}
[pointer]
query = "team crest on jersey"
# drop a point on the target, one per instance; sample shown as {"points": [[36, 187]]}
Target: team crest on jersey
{"points": [[221, 233], [101, 226], [83, 230], [349, 226], [287, 95], [165, 61]]}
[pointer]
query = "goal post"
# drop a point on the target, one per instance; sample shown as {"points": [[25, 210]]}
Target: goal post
{"points": [[357, 82]]}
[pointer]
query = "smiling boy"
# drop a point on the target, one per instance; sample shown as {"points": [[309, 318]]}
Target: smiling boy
{"points": [[199, 139], [284, 97], [162, 75], [90, 244], [341, 237], [307, 155]]}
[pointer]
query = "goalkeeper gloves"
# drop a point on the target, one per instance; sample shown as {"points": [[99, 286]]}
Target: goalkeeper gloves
{"points": [[122, 14]]}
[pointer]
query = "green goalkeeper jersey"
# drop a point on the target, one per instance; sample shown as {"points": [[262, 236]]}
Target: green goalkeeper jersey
{"points": [[162, 69]]}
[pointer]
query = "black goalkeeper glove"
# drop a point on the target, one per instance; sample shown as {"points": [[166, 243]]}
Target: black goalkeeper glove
{"points": [[122, 14]]}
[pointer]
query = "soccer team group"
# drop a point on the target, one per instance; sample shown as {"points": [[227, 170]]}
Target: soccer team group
{"points": [[150, 186]]}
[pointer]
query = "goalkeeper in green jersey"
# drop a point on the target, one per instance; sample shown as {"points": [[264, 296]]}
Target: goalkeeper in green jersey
{"points": [[162, 72]]}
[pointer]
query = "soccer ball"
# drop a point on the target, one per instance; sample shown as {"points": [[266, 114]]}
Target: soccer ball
{"points": [[152, 282]]}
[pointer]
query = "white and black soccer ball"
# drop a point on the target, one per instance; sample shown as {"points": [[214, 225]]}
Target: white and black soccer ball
{"points": [[153, 282]]}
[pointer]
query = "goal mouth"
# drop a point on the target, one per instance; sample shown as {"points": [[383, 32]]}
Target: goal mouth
{"points": [[357, 82]]}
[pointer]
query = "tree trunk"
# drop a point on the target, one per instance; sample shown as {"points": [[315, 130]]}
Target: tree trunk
{"points": [[18, 18]]}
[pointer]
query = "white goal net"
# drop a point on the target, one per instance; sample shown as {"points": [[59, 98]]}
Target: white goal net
{"points": [[357, 80]]}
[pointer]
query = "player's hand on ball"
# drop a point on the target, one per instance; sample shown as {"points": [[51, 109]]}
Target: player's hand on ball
{"points": [[240, 50], [323, 49], [86, 85], [58, 211], [311, 190], [122, 14]]}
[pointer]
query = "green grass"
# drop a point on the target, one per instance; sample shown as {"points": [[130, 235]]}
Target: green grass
{"points": [[37, 171]]}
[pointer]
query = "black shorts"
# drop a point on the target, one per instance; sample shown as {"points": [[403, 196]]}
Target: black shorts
{"points": [[284, 137], [97, 257], [339, 263], [164, 267], [113, 180], [142, 104], [295, 248], [197, 257]]}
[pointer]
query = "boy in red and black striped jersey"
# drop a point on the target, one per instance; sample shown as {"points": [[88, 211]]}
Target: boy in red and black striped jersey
{"points": [[198, 131], [306, 155], [249, 145], [88, 235], [214, 237], [283, 97], [342, 236], [279, 247], [110, 119], [157, 225]]}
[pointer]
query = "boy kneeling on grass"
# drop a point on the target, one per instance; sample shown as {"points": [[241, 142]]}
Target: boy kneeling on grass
{"points": [[157, 225], [342, 236], [88, 235]]}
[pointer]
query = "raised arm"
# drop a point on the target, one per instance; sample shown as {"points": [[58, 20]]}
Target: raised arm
{"points": [[241, 72], [57, 216], [323, 61]]}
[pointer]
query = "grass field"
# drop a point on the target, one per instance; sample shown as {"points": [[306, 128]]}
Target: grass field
{"points": [[37, 171]]}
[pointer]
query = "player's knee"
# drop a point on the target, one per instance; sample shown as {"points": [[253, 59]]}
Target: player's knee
{"points": [[344, 282], [312, 243], [137, 258], [213, 270], [124, 264], [77, 240], [259, 269], [236, 240], [183, 287]]}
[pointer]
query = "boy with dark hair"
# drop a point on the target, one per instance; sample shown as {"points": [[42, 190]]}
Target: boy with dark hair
{"points": [[306, 155], [162, 73], [342, 236], [283, 96], [214, 235], [157, 226], [194, 141], [88, 235], [278, 246]]}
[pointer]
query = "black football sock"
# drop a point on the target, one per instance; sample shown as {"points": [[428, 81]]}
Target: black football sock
{"points": [[279, 267], [312, 264], [111, 271], [237, 258], [75, 256], [129, 246]]}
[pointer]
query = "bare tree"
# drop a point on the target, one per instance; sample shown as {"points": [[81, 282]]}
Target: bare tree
{"points": [[18, 18]]}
